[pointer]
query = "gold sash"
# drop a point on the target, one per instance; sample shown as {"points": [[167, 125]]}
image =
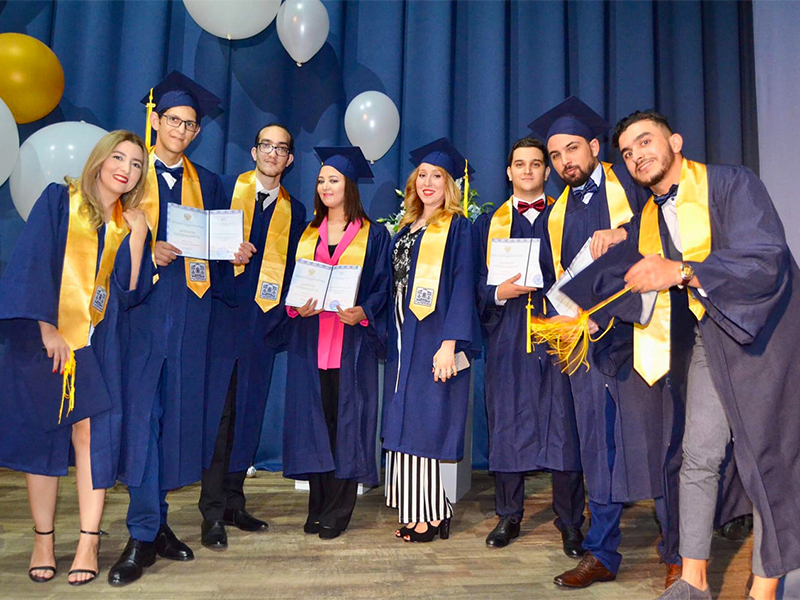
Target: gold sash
{"points": [[651, 342], [83, 296], [198, 279], [428, 271], [276, 246], [619, 212], [353, 255], [500, 225]]}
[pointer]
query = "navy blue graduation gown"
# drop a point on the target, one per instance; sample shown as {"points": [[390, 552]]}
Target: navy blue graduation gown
{"points": [[306, 445], [528, 400], [168, 341], [246, 335], [750, 332], [631, 424], [424, 417], [29, 292]]}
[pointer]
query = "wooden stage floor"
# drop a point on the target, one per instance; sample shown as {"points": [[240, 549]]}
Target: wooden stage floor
{"points": [[367, 561]]}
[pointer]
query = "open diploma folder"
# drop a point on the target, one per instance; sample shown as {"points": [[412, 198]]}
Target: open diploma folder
{"points": [[205, 234], [512, 256], [563, 304], [334, 285]]}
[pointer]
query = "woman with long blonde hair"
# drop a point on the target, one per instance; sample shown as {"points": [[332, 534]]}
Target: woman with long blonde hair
{"points": [[76, 267], [426, 391]]}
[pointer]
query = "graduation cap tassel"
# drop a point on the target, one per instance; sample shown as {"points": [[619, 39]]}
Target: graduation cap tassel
{"points": [[569, 340], [150, 106], [68, 387], [466, 188], [529, 308]]}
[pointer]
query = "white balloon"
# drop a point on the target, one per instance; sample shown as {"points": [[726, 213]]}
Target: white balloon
{"points": [[9, 142], [49, 155], [303, 27], [233, 19], [372, 122]]}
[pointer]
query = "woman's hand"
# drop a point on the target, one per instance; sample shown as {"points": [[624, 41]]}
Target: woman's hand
{"points": [[308, 309], [136, 221], [243, 254], [56, 346], [444, 361], [351, 316], [165, 253]]}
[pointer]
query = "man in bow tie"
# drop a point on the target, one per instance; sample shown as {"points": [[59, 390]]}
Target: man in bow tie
{"points": [[528, 403], [244, 339]]}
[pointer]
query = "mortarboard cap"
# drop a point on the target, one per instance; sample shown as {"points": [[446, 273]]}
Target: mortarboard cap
{"points": [[176, 89], [573, 117], [441, 153], [348, 160]]}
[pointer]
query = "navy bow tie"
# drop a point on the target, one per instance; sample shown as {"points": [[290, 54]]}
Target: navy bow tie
{"points": [[176, 172], [590, 187], [661, 200]]}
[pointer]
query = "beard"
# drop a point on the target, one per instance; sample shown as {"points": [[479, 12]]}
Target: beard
{"points": [[578, 178], [655, 176]]}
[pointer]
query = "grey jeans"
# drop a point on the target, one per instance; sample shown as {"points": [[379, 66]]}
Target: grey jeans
{"points": [[705, 438]]}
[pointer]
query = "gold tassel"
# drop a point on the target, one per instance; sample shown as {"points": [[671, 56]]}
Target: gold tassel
{"points": [[529, 309], [150, 106], [466, 188], [68, 387]]}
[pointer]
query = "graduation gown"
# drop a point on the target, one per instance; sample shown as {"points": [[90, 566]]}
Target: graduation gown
{"points": [[421, 416], [630, 424], [246, 335], [29, 292], [529, 406], [167, 348], [750, 329], [306, 445]]}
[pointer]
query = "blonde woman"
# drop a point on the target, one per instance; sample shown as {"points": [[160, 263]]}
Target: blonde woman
{"points": [[76, 266], [435, 322]]}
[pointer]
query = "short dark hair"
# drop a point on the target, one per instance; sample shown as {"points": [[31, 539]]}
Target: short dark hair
{"points": [[529, 142], [635, 117], [289, 133], [353, 209]]}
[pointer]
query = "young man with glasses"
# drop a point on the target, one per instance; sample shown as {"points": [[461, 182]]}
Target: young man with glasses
{"points": [[243, 340]]}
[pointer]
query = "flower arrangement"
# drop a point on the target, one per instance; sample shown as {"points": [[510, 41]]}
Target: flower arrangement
{"points": [[474, 210]]}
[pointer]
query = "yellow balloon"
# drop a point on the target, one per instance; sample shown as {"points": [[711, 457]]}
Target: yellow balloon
{"points": [[31, 78]]}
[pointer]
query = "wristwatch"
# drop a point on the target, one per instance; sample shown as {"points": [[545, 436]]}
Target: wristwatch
{"points": [[687, 273]]}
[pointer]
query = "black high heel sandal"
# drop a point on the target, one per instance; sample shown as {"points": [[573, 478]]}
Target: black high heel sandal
{"points": [[39, 578], [403, 531], [89, 571], [426, 536], [444, 529]]}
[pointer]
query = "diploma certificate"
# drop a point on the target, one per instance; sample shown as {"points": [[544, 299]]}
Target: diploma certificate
{"points": [[512, 256], [563, 304], [205, 234], [330, 286]]}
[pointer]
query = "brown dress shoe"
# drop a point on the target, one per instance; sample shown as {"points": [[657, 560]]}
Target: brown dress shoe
{"points": [[588, 571], [674, 573]]}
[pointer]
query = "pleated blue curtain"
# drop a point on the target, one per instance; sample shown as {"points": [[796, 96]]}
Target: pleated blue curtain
{"points": [[477, 71]]}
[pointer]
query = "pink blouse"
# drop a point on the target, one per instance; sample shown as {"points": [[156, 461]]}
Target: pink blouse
{"points": [[331, 329]]}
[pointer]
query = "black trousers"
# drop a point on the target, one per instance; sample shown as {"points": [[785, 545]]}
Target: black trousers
{"points": [[219, 489], [331, 501], [569, 497]]}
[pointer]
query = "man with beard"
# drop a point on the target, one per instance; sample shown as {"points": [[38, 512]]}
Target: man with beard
{"points": [[619, 417], [528, 401], [714, 250], [245, 336]]}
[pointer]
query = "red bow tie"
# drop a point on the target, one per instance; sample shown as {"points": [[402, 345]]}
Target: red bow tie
{"points": [[523, 207]]}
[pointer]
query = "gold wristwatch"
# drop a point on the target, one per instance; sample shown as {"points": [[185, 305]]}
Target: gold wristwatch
{"points": [[687, 273]]}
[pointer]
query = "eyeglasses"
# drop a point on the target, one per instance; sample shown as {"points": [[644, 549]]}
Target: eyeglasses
{"points": [[176, 122], [266, 148]]}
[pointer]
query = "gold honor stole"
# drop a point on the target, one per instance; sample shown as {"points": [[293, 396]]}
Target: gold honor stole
{"points": [[619, 211], [428, 271], [197, 275], [353, 255], [276, 246], [651, 342]]}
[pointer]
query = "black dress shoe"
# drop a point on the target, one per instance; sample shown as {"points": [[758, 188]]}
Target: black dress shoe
{"points": [[169, 546], [212, 535], [329, 533], [130, 565], [573, 542], [243, 520], [311, 526], [507, 529]]}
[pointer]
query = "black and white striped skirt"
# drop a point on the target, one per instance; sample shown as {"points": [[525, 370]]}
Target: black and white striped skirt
{"points": [[414, 486]]}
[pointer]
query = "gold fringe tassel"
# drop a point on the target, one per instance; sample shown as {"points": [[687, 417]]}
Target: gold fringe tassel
{"points": [[68, 387]]}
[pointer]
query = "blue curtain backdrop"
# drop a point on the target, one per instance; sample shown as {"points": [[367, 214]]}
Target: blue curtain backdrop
{"points": [[476, 71]]}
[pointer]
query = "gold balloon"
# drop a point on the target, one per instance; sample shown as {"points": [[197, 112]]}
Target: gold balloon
{"points": [[31, 78]]}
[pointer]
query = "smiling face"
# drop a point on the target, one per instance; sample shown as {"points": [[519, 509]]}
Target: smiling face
{"points": [[430, 185], [528, 172], [573, 157], [174, 140], [330, 187], [649, 152], [121, 171]]}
